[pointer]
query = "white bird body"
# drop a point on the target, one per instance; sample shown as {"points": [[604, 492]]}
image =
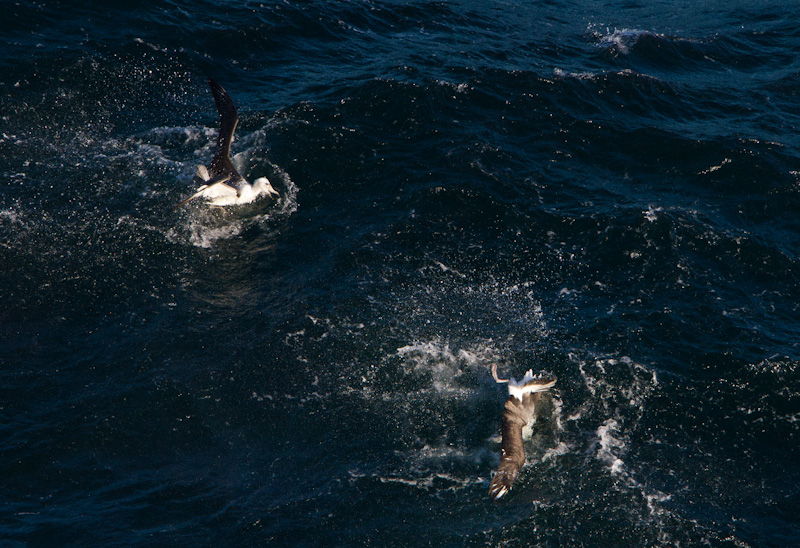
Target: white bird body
{"points": [[221, 193]]}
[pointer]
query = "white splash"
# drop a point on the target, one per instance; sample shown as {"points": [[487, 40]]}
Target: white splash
{"points": [[609, 446], [619, 388], [559, 450]]}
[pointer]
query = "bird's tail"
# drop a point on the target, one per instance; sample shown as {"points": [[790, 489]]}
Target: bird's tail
{"points": [[190, 198]]}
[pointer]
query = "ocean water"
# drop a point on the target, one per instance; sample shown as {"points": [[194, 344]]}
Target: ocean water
{"points": [[607, 191]]}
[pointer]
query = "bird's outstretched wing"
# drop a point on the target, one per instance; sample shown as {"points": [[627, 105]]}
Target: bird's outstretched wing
{"points": [[516, 415], [221, 164], [523, 396]]}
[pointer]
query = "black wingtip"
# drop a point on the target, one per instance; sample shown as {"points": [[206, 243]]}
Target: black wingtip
{"points": [[222, 100]]}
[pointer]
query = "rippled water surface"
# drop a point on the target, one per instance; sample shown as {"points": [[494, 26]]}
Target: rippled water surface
{"points": [[605, 191]]}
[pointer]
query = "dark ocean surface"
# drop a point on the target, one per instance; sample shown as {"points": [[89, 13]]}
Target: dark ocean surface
{"points": [[607, 191]]}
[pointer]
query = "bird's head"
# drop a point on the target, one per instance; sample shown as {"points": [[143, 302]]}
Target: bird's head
{"points": [[262, 185]]}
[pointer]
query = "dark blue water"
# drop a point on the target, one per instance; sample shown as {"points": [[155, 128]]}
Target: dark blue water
{"points": [[608, 191]]}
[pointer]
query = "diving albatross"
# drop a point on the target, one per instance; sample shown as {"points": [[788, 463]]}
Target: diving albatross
{"points": [[222, 184], [519, 410]]}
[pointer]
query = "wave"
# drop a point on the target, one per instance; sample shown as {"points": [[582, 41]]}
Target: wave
{"points": [[743, 51], [479, 185]]}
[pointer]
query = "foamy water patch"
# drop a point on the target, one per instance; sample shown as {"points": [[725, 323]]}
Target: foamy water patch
{"points": [[619, 390], [558, 451], [10, 216], [205, 236], [446, 367]]}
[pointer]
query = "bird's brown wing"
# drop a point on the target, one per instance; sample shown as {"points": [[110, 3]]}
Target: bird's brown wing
{"points": [[516, 415]]}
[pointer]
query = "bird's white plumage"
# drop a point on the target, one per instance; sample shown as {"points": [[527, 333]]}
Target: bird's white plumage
{"points": [[222, 194], [528, 384]]}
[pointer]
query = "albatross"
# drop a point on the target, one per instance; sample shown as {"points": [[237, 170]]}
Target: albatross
{"points": [[222, 184], [519, 410]]}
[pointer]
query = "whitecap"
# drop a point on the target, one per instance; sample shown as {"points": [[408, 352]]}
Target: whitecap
{"points": [[621, 40], [560, 73]]}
